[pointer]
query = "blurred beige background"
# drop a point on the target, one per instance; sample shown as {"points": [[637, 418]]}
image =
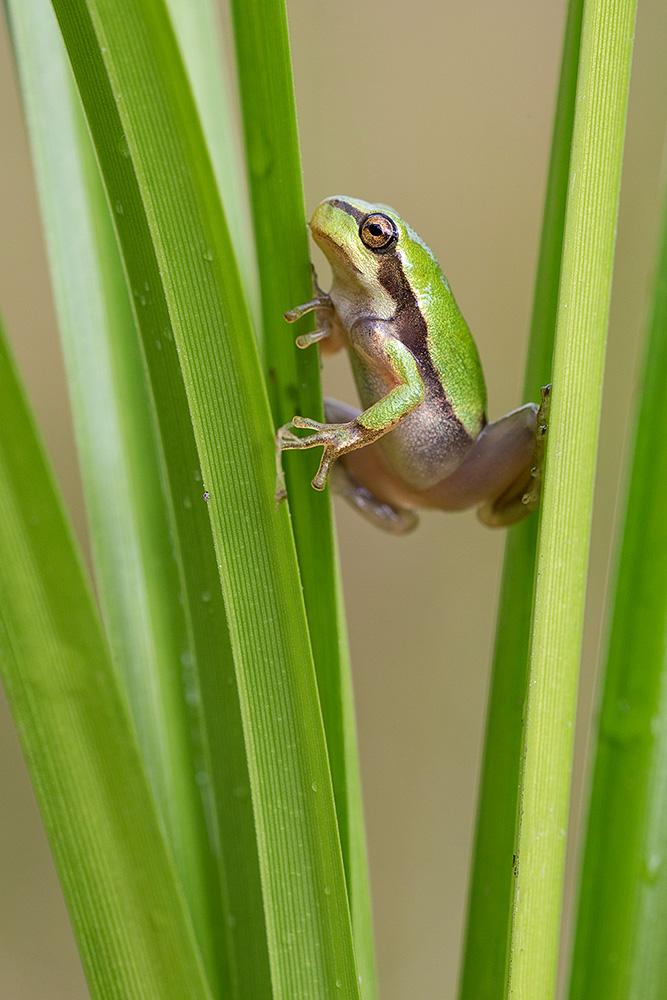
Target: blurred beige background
{"points": [[444, 111]]}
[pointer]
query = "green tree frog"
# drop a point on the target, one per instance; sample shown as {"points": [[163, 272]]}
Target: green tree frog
{"points": [[422, 439]]}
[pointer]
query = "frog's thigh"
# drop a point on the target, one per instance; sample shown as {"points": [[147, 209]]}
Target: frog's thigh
{"points": [[364, 462], [496, 472]]}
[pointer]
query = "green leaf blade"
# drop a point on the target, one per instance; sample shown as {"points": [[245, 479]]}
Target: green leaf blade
{"points": [[136, 574], [272, 151], [585, 288], [122, 892], [197, 31], [183, 253], [619, 946], [492, 886]]}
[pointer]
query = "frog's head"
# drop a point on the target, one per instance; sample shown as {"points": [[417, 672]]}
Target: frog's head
{"points": [[368, 246]]}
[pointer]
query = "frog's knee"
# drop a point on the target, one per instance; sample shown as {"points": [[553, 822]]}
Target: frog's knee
{"points": [[396, 520], [519, 501]]}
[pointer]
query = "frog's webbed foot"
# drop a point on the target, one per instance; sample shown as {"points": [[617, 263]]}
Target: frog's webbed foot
{"points": [[335, 438], [388, 516], [531, 497], [522, 494]]}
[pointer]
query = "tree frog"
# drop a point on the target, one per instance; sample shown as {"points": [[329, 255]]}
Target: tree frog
{"points": [[422, 439]]}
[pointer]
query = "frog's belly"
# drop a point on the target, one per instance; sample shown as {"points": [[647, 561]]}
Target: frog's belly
{"points": [[428, 444]]}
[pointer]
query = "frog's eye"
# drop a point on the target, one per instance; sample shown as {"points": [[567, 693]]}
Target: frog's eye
{"points": [[378, 232]]}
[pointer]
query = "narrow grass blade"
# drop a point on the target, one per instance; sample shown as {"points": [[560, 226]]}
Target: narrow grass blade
{"points": [[136, 575], [198, 35], [358, 879], [484, 971], [590, 229], [129, 917], [174, 239], [269, 119], [620, 941]]}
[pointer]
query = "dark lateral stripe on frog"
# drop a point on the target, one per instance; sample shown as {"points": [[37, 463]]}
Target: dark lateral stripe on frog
{"points": [[414, 335], [345, 206]]}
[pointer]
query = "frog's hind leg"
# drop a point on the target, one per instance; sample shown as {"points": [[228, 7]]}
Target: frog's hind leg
{"points": [[523, 495], [499, 472], [389, 517]]}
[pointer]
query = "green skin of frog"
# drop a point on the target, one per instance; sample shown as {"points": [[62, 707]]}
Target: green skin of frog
{"points": [[422, 439]]}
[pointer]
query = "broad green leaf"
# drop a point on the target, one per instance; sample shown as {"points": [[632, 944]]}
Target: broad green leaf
{"points": [[122, 890], [137, 577], [272, 151], [178, 258]]}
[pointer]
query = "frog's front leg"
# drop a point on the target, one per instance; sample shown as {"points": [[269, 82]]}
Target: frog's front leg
{"points": [[391, 360], [328, 330], [390, 517], [324, 309]]}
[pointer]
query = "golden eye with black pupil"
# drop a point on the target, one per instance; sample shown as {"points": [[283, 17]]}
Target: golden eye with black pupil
{"points": [[379, 233]]}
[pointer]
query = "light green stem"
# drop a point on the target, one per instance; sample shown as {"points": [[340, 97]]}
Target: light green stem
{"points": [[484, 967], [595, 174], [620, 942]]}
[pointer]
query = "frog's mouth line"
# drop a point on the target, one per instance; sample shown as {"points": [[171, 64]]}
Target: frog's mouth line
{"points": [[336, 249]]}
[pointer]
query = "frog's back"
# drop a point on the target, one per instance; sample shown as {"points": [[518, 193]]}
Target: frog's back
{"points": [[449, 343], [431, 441]]}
